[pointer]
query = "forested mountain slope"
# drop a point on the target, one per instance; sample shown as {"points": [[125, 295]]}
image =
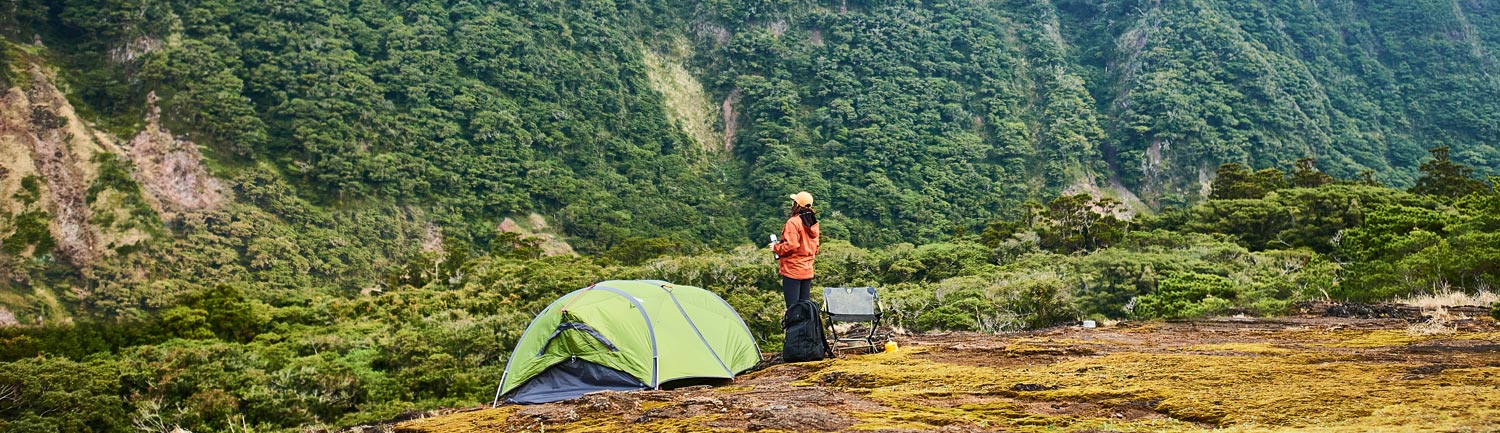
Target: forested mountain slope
{"points": [[909, 120], [959, 110]]}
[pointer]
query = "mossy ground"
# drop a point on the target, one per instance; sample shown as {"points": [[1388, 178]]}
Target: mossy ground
{"points": [[1314, 374]]}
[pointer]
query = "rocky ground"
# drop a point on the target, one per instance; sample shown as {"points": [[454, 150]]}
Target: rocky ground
{"points": [[1233, 374]]}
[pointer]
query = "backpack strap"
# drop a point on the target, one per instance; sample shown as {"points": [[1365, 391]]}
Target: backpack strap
{"points": [[809, 218]]}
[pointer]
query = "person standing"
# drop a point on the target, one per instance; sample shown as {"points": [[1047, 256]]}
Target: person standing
{"points": [[797, 249]]}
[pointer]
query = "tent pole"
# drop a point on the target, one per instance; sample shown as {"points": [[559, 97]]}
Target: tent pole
{"points": [[496, 403]]}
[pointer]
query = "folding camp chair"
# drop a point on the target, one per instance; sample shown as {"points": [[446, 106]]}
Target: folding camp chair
{"points": [[853, 304]]}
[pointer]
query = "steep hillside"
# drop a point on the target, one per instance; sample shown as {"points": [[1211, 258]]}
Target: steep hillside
{"points": [[474, 112], [118, 227], [1357, 85], [70, 198], [641, 119], [918, 117]]}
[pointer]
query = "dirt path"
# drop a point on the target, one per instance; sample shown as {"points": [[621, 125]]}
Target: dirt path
{"points": [[1296, 374]]}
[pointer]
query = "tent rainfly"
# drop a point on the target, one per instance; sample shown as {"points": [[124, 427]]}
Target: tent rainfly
{"points": [[626, 335]]}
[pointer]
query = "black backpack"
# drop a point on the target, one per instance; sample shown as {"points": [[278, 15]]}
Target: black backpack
{"points": [[804, 334]]}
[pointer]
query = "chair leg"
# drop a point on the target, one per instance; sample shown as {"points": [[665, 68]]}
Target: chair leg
{"points": [[834, 347]]}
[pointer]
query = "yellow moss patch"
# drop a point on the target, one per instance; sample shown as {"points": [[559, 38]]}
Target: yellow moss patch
{"points": [[1064, 342], [506, 419], [910, 415], [692, 424], [1256, 348], [1379, 338], [1493, 337], [1297, 391], [1141, 329], [480, 420], [1302, 380], [1025, 349]]}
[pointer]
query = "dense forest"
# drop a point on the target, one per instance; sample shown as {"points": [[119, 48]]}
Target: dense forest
{"points": [[690, 121], [278, 216]]}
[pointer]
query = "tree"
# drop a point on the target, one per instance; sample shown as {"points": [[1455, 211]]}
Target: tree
{"points": [[1080, 222], [53, 394], [1382, 249], [229, 315], [1444, 178], [1305, 174], [186, 322], [513, 245], [1235, 181], [1187, 294], [1256, 223], [999, 231]]}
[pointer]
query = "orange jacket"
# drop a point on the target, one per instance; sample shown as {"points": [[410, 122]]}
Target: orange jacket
{"points": [[798, 247]]}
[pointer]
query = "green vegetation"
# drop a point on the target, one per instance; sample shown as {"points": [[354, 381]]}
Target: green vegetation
{"points": [[460, 107], [30, 231], [974, 159], [911, 119], [270, 356], [114, 174]]}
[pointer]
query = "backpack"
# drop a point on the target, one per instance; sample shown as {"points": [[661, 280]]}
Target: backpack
{"points": [[805, 340]]}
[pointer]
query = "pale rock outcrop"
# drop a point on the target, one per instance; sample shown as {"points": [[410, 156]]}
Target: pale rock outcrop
{"points": [[171, 170]]}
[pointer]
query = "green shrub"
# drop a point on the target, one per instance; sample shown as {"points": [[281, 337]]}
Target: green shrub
{"points": [[1185, 295], [31, 189], [935, 262], [52, 394], [184, 322], [957, 316], [230, 316], [1040, 302], [31, 229], [636, 250]]}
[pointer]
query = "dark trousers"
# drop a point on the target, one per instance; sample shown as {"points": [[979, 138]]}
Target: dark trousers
{"points": [[795, 290]]}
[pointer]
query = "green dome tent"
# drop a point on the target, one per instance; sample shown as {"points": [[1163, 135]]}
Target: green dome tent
{"points": [[626, 335]]}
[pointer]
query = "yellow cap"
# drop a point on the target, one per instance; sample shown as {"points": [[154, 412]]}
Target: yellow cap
{"points": [[803, 198]]}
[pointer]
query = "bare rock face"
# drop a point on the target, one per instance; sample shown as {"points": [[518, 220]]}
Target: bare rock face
{"points": [[7, 318], [138, 48], [42, 123], [731, 119], [432, 238], [170, 169], [50, 159], [536, 228]]}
